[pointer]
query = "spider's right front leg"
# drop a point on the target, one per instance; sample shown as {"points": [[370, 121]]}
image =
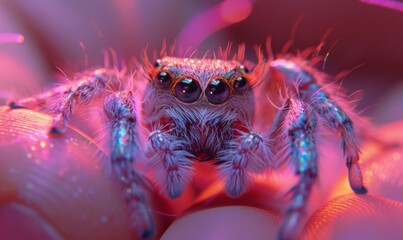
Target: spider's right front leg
{"points": [[309, 86]]}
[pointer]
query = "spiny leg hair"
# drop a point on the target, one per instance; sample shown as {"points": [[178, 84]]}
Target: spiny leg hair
{"points": [[311, 90], [248, 153], [171, 164], [298, 127], [63, 99]]}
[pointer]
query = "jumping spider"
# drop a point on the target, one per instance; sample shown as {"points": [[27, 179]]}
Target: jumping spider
{"points": [[203, 109]]}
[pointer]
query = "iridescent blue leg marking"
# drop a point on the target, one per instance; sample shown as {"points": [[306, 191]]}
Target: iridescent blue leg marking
{"points": [[299, 124], [121, 113], [248, 153]]}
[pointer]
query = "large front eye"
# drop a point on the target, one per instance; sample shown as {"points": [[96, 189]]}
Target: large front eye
{"points": [[164, 79], [187, 90], [217, 91]]}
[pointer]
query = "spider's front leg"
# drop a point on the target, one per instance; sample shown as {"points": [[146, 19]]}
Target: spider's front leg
{"points": [[247, 153], [298, 120], [124, 144], [298, 127], [310, 88], [170, 162]]}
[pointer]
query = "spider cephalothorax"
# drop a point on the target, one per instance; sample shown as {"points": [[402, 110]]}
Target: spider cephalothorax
{"points": [[204, 109]]}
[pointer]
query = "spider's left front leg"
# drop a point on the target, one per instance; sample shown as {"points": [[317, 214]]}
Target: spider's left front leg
{"points": [[120, 110]]}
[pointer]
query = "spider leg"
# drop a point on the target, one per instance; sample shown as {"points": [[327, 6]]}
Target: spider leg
{"points": [[339, 120], [309, 88], [124, 144], [63, 99], [171, 164], [298, 125], [248, 153]]}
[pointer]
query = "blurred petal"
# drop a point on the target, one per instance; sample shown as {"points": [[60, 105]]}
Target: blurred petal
{"points": [[357, 217], [58, 178], [232, 222]]}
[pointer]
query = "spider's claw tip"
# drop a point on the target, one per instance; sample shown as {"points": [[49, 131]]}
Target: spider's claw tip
{"points": [[147, 233], [14, 105], [358, 187], [174, 193], [54, 131], [360, 190], [282, 235], [355, 179]]}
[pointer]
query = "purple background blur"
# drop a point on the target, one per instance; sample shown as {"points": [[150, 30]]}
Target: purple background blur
{"points": [[365, 34]]}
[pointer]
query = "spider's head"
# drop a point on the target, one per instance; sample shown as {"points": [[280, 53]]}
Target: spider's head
{"points": [[205, 82]]}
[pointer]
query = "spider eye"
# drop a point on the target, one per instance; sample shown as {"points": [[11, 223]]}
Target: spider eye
{"points": [[164, 79], [240, 84], [187, 90], [244, 69], [158, 63], [217, 91], [241, 68]]}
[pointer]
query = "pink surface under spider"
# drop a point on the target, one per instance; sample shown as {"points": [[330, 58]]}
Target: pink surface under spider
{"points": [[201, 109]]}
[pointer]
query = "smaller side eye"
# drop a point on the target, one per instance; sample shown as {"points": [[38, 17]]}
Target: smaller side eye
{"points": [[240, 84], [158, 63], [164, 79], [244, 69], [217, 91]]}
